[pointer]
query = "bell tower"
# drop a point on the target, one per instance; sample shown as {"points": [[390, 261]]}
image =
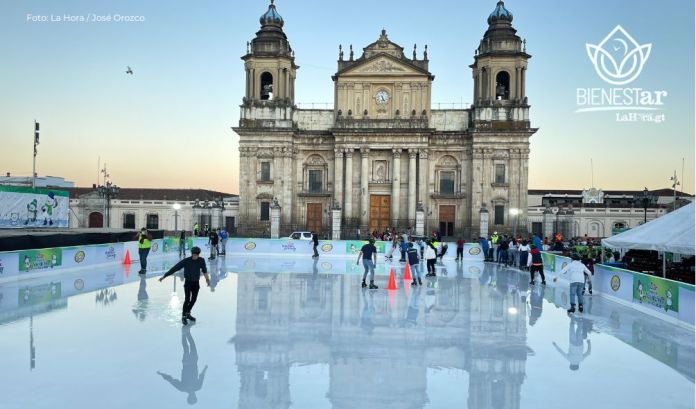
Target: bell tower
{"points": [[270, 64], [500, 71]]}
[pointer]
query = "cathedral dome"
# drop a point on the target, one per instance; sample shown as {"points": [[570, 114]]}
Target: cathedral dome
{"points": [[500, 14], [271, 17]]}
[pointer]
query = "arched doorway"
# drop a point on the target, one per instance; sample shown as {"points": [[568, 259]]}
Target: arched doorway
{"points": [[96, 220]]}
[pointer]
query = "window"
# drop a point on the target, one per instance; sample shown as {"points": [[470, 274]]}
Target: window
{"points": [[152, 221], [500, 215], [499, 174], [315, 184], [129, 221], [266, 86], [502, 85], [265, 171], [265, 211], [447, 182]]}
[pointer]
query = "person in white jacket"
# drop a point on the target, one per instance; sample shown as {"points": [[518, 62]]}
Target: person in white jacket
{"points": [[575, 273]]}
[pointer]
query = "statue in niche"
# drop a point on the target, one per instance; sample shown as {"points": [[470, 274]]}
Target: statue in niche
{"points": [[380, 173]]}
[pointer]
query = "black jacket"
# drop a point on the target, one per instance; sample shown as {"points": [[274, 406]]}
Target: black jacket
{"points": [[192, 268]]}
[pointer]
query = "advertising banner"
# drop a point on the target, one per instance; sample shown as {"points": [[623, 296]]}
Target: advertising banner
{"points": [[549, 262], [654, 291], [44, 259], [22, 207]]}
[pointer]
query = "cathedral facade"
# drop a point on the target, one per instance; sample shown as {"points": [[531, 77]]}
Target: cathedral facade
{"points": [[383, 156]]}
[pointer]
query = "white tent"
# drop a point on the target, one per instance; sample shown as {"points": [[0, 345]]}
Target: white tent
{"points": [[673, 232]]}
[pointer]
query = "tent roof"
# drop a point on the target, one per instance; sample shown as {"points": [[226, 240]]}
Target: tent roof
{"points": [[673, 232]]}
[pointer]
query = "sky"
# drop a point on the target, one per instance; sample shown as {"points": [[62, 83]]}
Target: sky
{"points": [[169, 124]]}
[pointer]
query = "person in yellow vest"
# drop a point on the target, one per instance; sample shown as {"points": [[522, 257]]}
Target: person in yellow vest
{"points": [[144, 239]]}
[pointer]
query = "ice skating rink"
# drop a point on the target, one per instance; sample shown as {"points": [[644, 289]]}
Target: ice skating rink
{"points": [[301, 333]]}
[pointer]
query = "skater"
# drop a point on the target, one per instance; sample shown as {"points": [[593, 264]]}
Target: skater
{"points": [[503, 250], [588, 261], [368, 253], [430, 258], [223, 241], [390, 252], [460, 249], [182, 244], [575, 271], [192, 274], [315, 244], [536, 264], [404, 248], [191, 382], [213, 240], [415, 264], [144, 242], [576, 353], [485, 247], [524, 254]]}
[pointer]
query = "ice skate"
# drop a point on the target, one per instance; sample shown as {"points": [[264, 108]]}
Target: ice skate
{"points": [[373, 286], [572, 309]]}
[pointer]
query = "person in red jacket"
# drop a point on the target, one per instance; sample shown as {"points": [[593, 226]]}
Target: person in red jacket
{"points": [[536, 263]]}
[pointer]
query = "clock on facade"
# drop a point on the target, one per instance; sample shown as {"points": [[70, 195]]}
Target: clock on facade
{"points": [[382, 97]]}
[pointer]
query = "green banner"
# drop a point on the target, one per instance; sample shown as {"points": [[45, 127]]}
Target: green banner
{"points": [[31, 260], [549, 261], [656, 291]]}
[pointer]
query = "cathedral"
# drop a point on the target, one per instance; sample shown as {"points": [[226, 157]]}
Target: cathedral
{"points": [[382, 157]]}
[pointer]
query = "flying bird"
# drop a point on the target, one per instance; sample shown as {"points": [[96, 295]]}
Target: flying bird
{"points": [[129, 70]]}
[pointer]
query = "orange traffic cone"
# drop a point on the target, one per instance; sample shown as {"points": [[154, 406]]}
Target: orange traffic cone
{"points": [[392, 280], [127, 260], [407, 272]]}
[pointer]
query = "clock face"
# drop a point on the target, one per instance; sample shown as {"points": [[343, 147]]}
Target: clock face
{"points": [[382, 97]]}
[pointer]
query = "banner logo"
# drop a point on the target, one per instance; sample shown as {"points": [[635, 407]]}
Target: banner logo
{"points": [[615, 283], [326, 248], [250, 246], [618, 59], [475, 251], [79, 256]]}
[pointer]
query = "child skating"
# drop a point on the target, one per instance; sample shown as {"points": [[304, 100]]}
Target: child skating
{"points": [[414, 263], [575, 272]]}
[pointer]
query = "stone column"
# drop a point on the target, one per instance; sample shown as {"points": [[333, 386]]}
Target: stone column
{"points": [[483, 224], [423, 178], [364, 188], [275, 220], [548, 223], [396, 185], [412, 185], [338, 176], [288, 186], [420, 221], [336, 222], [348, 206]]}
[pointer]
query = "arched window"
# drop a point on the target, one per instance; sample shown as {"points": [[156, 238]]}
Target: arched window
{"points": [[96, 220], [266, 86], [502, 85]]}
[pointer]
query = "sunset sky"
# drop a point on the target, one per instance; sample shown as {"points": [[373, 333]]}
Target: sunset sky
{"points": [[169, 124]]}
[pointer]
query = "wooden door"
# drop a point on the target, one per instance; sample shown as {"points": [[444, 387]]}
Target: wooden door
{"points": [[447, 220], [96, 220], [314, 217], [380, 212]]}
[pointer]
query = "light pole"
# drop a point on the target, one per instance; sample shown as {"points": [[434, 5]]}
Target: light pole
{"points": [[514, 212], [675, 183], [646, 199], [176, 207], [108, 191], [36, 151]]}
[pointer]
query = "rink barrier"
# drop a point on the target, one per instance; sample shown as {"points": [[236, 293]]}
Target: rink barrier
{"points": [[335, 248], [28, 263], [657, 296]]}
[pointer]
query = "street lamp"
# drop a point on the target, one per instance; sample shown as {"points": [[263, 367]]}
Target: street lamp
{"points": [[108, 191], [514, 212], [645, 198], [176, 207]]}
